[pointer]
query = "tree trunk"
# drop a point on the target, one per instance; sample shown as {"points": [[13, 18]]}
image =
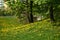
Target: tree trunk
{"points": [[31, 15], [51, 13], [27, 11]]}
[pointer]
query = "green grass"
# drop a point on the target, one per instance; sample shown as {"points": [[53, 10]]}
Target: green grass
{"points": [[43, 30], [8, 22]]}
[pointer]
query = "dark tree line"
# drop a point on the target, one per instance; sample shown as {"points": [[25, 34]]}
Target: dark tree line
{"points": [[31, 15], [28, 4]]}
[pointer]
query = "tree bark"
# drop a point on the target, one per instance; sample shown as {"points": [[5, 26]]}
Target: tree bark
{"points": [[27, 11], [51, 13], [31, 15]]}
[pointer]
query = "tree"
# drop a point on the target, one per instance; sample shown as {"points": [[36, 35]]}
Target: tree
{"points": [[29, 11], [51, 5], [51, 12], [31, 15]]}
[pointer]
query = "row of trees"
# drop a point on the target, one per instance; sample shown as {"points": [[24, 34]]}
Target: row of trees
{"points": [[30, 7], [48, 5]]}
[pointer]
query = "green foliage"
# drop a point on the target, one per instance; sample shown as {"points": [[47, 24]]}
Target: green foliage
{"points": [[14, 7], [8, 22]]}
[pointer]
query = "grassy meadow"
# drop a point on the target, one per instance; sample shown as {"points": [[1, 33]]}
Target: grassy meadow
{"points": [[11, 29]]}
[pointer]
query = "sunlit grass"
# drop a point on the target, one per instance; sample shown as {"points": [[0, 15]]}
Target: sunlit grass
{"points": [[43, 30]]}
